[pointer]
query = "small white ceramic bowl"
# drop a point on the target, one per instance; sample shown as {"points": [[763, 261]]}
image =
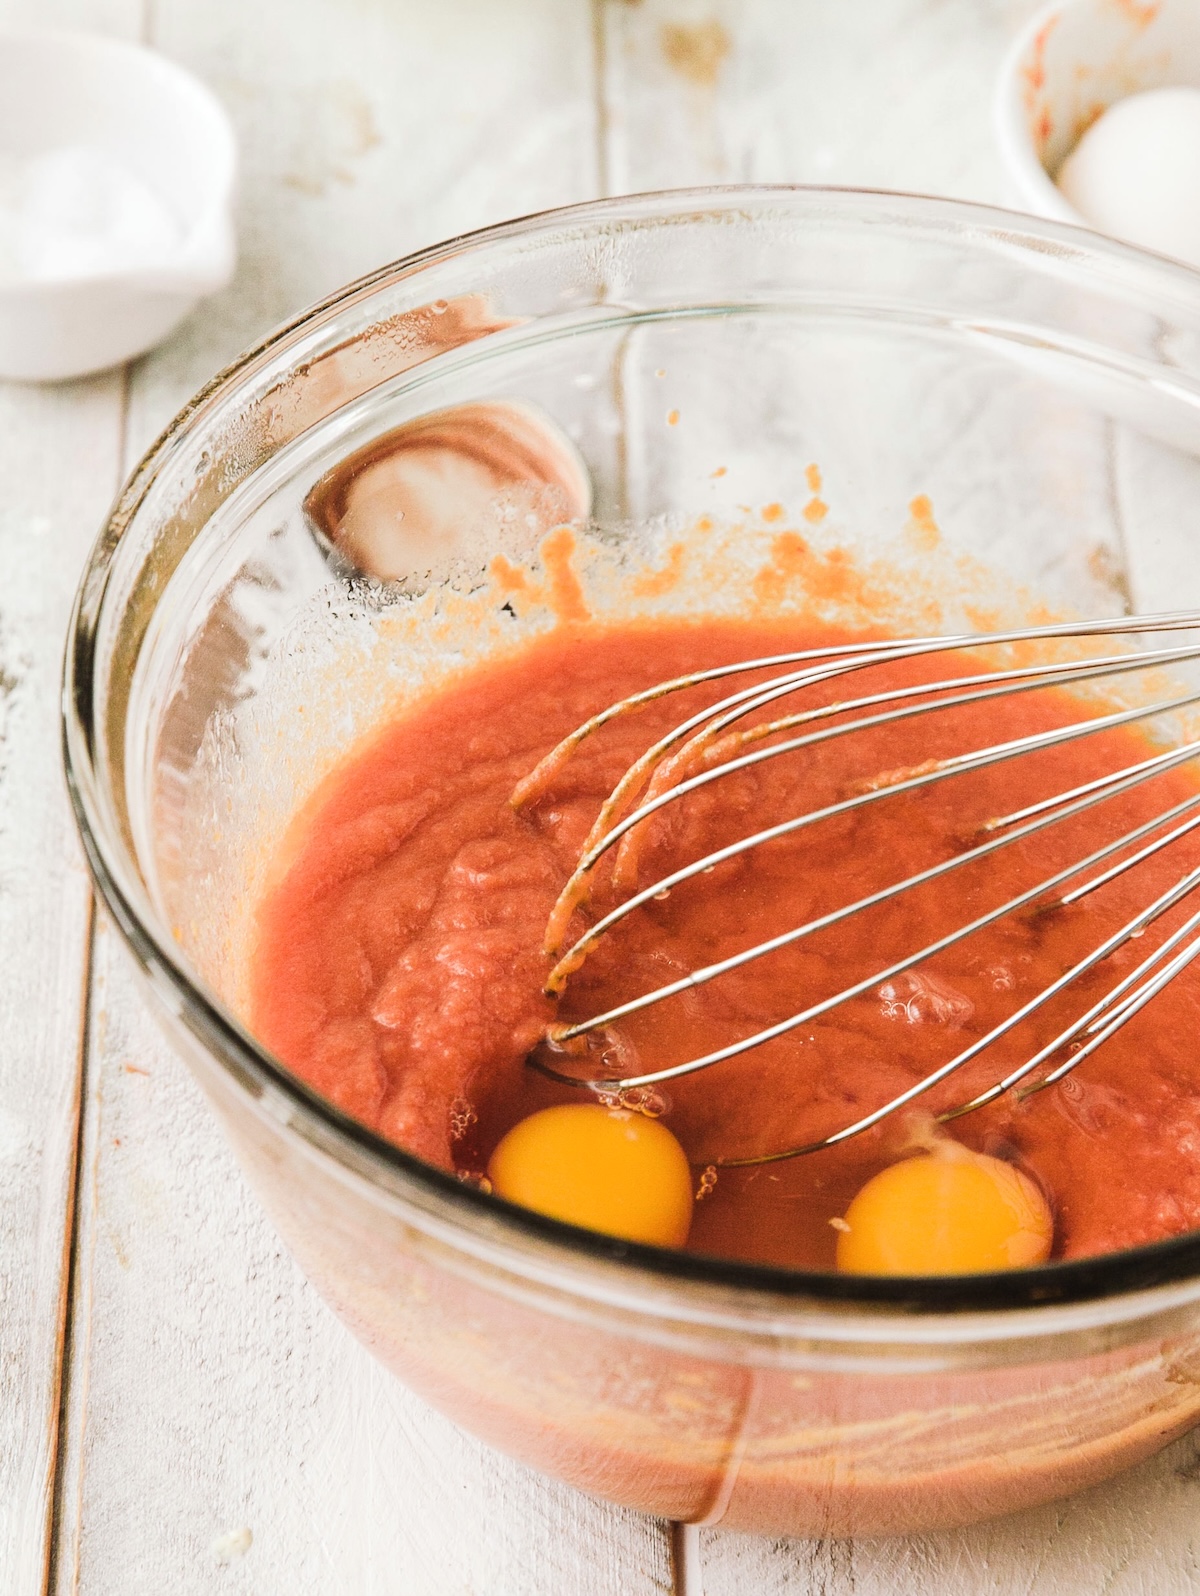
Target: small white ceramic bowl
{"points": [[64, 89], [1072, 61]]}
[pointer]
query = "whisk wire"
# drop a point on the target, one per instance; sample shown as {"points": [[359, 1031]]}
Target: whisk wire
{"points": [[960, 765], [1131, 929], [1108, 1002], [707, 735], [604, 835], [816, 1010]]}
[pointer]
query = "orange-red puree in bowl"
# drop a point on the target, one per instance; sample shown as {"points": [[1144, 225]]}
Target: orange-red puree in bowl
{"points": [[400, 966]]}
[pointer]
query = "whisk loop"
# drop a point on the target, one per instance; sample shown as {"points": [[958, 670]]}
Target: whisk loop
{"points": [[712, 744]]}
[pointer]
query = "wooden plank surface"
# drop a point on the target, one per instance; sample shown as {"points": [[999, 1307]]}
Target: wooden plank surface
{"points": [[223, 1430], [1139, 1536], [886, 94], [49, 518], [60, 453]]}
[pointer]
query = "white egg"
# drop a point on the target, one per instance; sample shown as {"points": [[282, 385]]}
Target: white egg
{"points": [[1135, 173]]}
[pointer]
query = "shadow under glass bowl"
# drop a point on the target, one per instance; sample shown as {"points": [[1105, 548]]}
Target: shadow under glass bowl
{"points": [[219, 663]]}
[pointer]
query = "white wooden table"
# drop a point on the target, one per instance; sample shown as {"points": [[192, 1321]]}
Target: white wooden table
{"points": [[178, 1412]]}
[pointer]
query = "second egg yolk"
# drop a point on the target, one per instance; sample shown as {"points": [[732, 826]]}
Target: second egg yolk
{"points": [[604, 1168], [946, 1212]]}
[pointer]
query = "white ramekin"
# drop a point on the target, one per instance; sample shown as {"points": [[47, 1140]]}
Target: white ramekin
{"points": [[1067, 66], [59, 89]]}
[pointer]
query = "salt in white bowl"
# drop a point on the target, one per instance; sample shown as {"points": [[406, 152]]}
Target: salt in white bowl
{"points": [[67, 90]]}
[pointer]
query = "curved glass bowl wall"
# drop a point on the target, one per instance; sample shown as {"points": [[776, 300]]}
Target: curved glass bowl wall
{"points": [[1028, 379]]}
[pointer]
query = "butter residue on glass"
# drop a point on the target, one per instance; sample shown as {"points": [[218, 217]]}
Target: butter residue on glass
{"points": [[412, 494]]}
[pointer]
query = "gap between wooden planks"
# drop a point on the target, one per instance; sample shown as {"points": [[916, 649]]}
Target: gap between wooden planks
{"points": [[48, 520]]}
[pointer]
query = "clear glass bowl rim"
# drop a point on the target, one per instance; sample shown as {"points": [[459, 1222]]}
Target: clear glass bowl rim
{"points": [[1135, 1274]]}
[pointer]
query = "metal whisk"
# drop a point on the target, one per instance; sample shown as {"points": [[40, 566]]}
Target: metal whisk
{"points": [[711, 744]]}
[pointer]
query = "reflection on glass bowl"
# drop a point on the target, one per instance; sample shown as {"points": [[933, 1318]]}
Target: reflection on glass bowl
{"points": [[697, 353]]}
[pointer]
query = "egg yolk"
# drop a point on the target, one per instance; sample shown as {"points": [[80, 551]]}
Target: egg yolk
{"points": [[603, 1168], [945, 1213]]}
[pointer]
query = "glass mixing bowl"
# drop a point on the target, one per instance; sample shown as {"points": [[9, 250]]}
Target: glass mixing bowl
{"points": [[699, 351]]}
